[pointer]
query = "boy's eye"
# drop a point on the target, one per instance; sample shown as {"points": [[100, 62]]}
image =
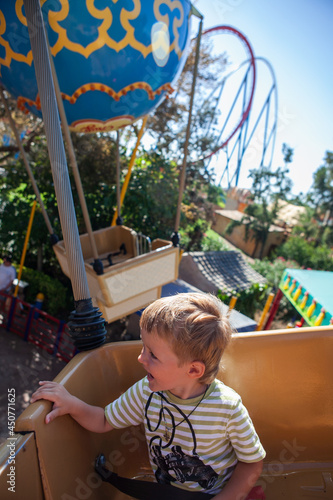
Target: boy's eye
{"points": [[153, 355]]}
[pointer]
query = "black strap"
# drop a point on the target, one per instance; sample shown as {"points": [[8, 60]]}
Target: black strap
{"points": [[145, 490]]}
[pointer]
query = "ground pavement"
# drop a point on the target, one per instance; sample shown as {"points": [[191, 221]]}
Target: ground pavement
{"points": [[22, 365]]}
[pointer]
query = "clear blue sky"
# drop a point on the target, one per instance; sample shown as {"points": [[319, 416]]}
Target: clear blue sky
{"points": [[296, 36]]}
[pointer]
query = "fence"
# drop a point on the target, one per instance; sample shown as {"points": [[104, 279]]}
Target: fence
{"points": [[36, 326]]}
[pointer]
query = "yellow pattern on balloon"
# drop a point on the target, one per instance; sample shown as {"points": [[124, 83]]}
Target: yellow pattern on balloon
{"points": [[64, 42], [101, 87], [126, 16], [177, 23], [10, 53]]}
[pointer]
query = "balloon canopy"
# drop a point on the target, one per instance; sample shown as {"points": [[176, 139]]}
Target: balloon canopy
{"points": [[310, 292], [115, 59]]}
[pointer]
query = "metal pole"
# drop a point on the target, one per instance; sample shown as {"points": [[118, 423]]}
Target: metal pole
{"points": [[98, 265], [232, 303], [54, 237], [86, 327], [129, 171], [25, 246], [175, 236], [265, 311], [119, 220], [275, 307]]}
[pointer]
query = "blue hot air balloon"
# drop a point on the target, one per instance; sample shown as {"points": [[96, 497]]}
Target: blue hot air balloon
{"points": [[115, 59]]}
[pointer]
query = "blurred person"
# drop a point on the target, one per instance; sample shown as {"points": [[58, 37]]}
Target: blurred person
{"points": [[7, 274]]}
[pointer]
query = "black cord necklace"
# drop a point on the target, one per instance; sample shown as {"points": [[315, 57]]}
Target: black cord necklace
{"points": [[170, 431]]}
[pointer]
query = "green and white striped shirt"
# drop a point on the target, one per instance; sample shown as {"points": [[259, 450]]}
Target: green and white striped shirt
{"points": [[198, 453]]}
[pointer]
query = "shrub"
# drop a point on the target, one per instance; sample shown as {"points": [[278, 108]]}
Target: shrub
{"points": [[192, 235], [248, 301], [213, 242], [273, 270], [57, 297], [307, 254]]}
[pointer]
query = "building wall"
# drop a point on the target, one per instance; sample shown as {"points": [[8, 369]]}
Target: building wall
{"points": [[237, 237], [231, 204], [274, 239]]}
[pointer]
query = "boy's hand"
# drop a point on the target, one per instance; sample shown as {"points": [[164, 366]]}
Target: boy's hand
{"points": [[90, 417], [63, 402]]}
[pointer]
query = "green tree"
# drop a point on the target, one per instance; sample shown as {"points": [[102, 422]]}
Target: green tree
{"points": [[321, 192], [167, 126], [320, 198], [28, 126], [307, 254], [268, 187], [96, 160], [307, 226], [16, 199], [150, 202]]}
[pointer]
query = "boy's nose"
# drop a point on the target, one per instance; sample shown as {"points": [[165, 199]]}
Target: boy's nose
{"points": [[141, 357]]}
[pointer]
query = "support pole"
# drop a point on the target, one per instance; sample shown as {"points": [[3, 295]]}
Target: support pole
{"points": [[25, 246], [119, 220], [175, 237], [232, 303], [275, 307], [98, 265], [86, 326], [53, 236], [265, 311], [129, 171]]}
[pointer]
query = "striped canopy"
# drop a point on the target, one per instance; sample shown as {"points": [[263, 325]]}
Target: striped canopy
{"points": [[310, 292]]}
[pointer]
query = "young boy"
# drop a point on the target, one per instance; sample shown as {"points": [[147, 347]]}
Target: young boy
{"points": [[199, 435]]}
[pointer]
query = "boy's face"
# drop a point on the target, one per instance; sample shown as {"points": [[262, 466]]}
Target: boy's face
{"points": [[163, 367]]}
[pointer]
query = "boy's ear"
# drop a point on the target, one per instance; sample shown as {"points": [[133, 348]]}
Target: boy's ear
{"points": [[196, 369]]}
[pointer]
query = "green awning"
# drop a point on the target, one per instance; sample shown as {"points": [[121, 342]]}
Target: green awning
{"points": [[311, 293]]}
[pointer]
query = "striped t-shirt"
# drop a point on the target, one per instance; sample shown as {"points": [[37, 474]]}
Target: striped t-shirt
{"points": [[192, 447]]}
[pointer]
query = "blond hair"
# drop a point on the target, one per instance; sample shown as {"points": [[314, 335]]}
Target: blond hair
{"points": [[194, 326]]}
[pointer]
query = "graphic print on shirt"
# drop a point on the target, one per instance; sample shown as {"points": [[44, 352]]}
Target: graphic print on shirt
{"points": [[184, 467], [177, 465]]}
